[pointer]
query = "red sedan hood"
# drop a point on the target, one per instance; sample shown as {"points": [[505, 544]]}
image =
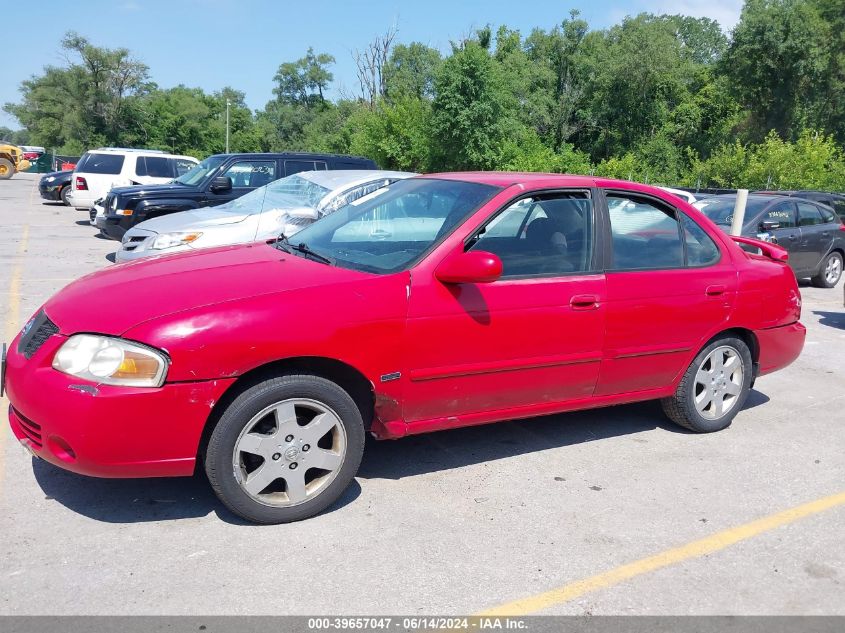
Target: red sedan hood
{"points": [[114, 300]]}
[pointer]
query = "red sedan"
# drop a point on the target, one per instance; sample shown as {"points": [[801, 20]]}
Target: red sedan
{"points": [[433, 303]]}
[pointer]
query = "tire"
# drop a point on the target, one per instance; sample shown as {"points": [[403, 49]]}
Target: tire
{"points": [[7, 169], [63, 195], [273, 426], [830, 272], [689, 406]]}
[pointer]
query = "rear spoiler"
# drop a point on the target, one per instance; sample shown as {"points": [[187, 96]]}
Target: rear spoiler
{"points": [[770, 250]]}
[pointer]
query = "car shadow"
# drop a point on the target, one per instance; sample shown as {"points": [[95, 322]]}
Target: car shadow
{"points": [[445, 450], [142, 500], [171, 499], [83, 222], [831, 319]]}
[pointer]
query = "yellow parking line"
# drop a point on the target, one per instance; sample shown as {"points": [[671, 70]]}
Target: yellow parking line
{"points": [[708, 545], [13, 309]]}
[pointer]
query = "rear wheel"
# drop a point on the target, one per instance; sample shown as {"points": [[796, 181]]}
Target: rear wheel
{"points": [[7, 169], [285, 449], [830, 271], [63, 195], [714, 387]]}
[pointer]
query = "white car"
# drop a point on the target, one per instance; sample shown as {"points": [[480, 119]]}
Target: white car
{"points": [[101, 169], [283, 207], [686, 196]]}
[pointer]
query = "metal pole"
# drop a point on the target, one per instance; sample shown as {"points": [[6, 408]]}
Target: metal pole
{"points": [[739, 211], [228, 103]]}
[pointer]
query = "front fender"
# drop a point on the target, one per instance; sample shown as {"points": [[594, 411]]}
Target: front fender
{"points": [[150, 208]]}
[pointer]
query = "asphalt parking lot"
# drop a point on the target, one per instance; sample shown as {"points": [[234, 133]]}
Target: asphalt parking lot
{"points": [[455, 522]]}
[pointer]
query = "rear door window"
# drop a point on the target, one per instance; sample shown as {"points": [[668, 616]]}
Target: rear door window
{"points": [[296, 166], [827, 215], [809, 215], [646, 235], [94, 163]]}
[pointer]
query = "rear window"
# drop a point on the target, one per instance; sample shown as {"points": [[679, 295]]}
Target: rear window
{"points": [[93, 163]]}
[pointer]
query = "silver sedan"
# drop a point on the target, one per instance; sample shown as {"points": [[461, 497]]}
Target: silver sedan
{"points": [[281, 208]]}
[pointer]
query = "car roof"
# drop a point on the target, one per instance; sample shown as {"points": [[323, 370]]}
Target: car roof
{"points": [[127, 150], [507, 178], [798, 192], [332, 179], [293, 155], [751, 196]]}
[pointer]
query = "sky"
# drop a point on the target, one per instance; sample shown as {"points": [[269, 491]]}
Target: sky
{"points": [[240, 43]]}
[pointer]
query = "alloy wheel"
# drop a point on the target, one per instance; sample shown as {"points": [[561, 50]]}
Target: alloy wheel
{"points": [[833, 270], [289, 452], [718, 382]]}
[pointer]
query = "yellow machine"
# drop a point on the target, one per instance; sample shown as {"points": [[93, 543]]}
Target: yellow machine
{"points": [[11, 160]]}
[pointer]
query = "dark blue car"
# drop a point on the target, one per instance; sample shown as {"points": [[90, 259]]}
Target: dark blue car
{"points": [[56, 185]]}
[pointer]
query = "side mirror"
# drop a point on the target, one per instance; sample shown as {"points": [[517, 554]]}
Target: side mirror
{"points": [[304, 213], [769, 225], [221, 184], [473, 267]]}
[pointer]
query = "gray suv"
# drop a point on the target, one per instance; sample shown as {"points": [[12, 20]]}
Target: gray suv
{"points": [[812, 233]]}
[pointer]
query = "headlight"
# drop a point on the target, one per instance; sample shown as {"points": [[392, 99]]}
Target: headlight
{"points": [[49, 179], [169, 240], [111, 361], [114, 203]]}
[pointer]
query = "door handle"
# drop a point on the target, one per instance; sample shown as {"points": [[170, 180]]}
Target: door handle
{"points": [[584, 302], [715, 291]]}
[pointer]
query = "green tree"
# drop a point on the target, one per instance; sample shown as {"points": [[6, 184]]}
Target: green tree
{"points": [[411, 70], [776, 65], [394, 134], [467, 119], [93, 100], [304, 81]]}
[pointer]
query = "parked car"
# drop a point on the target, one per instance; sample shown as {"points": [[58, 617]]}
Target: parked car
{"points": [[100, 170], [216, 180], [270, 362], [686, 196], [55, 186], [32, 152], [811, 233], [833, 200], [282, 207]]}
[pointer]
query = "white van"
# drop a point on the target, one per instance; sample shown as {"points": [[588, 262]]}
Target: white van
{"points": [[101, 169]]}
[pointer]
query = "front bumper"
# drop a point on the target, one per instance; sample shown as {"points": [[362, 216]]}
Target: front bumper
{"points": [[102, 430], [115, 226], [779, 346]]}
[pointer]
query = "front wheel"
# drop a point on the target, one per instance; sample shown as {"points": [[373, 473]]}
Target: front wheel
{"points": [[714, 387], [285, 449], [830, 271], [7, 169]]}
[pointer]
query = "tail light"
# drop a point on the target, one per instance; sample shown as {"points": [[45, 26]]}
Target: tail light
{"points": [[842, 226], [81, 185]]}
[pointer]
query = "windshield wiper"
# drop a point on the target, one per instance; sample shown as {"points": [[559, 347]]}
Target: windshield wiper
{"points": [[303, 248], [283, 245]]}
